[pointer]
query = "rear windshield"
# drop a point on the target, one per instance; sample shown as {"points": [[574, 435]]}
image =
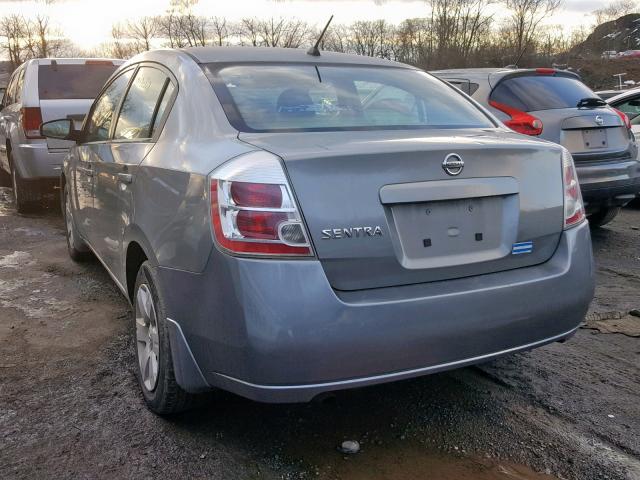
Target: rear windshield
{"points": [[541, 92], [301, 97], [65, 81]]}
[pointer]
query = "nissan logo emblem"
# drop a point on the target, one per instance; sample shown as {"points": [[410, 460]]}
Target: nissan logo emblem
{"points": [[453, 164]]}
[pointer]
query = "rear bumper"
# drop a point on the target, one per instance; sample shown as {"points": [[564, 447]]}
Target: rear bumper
{"points": [[276, 331], [34, 161], [609, 183]]}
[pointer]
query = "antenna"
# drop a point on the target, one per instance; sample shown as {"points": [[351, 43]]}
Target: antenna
{"points": [[314, 50]]}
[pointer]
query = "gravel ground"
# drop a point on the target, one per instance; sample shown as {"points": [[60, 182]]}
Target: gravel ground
{"points": [[70, 408]]}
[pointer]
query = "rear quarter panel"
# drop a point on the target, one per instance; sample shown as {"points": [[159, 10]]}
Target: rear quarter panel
{"points": [[171, 193]]}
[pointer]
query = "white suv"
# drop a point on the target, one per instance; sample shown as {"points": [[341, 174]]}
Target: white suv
{"points": [[40, 90]]}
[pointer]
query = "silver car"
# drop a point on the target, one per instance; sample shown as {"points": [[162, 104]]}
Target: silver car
{"points": [[286, 225], [629, 103], [40, 90], [556, 106]]}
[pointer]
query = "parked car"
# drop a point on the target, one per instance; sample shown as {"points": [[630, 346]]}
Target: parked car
{"points": [[628, 54], [556, 106], [41, 90], [629, 103], [287, 224], [607, 94]]}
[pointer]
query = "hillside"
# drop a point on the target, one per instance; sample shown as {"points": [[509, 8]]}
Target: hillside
{"points": [[619, 35]]}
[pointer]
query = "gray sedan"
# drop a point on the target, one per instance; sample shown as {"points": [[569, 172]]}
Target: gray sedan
{"points": [[287, 224]]}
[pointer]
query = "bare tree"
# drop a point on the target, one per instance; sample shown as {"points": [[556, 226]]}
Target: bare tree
{"points": [[335, 39], [457, 29], [194, 28], [12, 33], [372, 38], [295, 34], [143, 31], [279, 32], [615, 10], [221, 31], [23, 38], [525, 17], [120, 46], [249, 32]]}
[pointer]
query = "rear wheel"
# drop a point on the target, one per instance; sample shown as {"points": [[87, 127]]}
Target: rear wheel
{"points": [[78, 250], [27, 196], [603, 216], [156, 377], [5, 178]]}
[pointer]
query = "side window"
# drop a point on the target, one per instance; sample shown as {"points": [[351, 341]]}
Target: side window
{"points": [[162, 108], [630, 107], [465, 85], [141, 105], [17, 94], [9, 96], [99, 123]]}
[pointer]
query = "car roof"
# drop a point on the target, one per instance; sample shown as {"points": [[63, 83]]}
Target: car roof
{"points": [[289, 55], [76, 61], [486, 71], [626, 94]]}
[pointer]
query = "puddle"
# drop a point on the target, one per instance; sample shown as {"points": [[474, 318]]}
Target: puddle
{"points": [[16, 260], [414, 463], [6, 201], [29, 232], [613, 322]]}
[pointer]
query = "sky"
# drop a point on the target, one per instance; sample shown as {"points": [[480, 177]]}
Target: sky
{"points": [[88, 23]]}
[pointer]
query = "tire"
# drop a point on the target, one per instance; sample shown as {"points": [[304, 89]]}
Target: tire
{"points": [[77, 248], [603, 216], [27, 196], [5, 178], [161, 392]]}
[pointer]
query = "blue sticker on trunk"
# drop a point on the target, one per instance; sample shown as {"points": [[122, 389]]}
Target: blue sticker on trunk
{"points": [[522, 247]]}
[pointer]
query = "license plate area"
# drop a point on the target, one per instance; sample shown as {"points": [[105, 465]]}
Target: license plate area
{"points": [[595, 138], [455, 232]]}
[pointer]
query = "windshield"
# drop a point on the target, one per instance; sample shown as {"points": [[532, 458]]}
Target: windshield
{"points": [[73, 81], [300, 97], [541, 92]]}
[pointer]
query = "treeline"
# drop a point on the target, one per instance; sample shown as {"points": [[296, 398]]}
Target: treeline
{"points": [[453, 33]]}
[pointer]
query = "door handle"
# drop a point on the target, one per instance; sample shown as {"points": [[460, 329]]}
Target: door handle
{"points": [[125, 178]]}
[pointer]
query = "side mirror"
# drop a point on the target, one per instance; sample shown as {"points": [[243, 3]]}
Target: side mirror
{"points": [[61, 129]]}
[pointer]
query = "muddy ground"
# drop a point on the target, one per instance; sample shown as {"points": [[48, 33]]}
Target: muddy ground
{"points": [[70, 407]]}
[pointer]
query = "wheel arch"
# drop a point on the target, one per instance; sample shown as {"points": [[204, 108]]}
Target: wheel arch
{"points": [[138, 250]]}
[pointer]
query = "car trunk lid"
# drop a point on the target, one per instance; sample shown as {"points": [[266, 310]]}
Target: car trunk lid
{"points": [[382, 211], [56, 109], [67, 87], [588, 133]]}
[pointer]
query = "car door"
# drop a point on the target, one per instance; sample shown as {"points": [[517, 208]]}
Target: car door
{"points": [[7, 100], [140, 115], [10, 115], [93, 147]]}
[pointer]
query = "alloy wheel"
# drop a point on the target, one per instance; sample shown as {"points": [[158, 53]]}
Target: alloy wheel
{"points": [[147, 337], [68, 219]]}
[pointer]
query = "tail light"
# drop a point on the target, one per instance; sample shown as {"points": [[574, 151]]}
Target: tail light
{"points": [[520, 122], [546, 71], [98, 62], [573, 205], [624, 117], [253, 211], [31, 120]]}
